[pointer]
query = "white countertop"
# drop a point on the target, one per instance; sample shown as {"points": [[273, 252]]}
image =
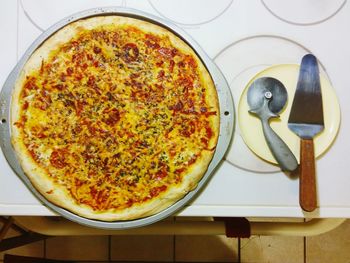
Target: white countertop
{"points": [[255, 38]]}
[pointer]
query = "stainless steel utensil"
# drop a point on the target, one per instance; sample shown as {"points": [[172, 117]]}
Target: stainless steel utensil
{"points": [[306, 120], [266, 98]]}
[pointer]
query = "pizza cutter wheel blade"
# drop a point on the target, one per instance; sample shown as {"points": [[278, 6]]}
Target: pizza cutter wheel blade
{"points": [[266, 98]]}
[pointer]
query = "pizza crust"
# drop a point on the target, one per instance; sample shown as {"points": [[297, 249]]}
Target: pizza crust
{"points": [[59, 195]]}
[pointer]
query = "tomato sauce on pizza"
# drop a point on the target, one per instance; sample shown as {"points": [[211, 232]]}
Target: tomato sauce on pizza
{"points": [[114, 118]]}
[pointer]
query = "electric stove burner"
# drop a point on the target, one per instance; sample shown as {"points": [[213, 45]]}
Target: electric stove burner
{"points": [[181, 11], [42, 14], [240, 62], [304, 12]]}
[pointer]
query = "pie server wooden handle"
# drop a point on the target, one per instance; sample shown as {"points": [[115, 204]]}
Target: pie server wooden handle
{"points": [[308, 196]]}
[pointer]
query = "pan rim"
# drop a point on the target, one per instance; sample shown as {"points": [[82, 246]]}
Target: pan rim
{"points": [[225, 104]]}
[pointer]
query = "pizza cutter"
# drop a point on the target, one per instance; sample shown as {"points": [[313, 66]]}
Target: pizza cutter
{"points": [[266, 98]]}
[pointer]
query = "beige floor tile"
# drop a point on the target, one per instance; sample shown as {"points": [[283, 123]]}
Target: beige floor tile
{"points": [[33, 250], [330, 247], [78, 248], [142, 248], [271, 249], [206, 249]]}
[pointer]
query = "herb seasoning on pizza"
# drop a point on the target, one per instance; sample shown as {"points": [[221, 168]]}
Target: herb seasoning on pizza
{"points": [[114, 118]]}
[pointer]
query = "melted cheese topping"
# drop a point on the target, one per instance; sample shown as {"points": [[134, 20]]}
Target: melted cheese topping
{"points": [[116, 116]]}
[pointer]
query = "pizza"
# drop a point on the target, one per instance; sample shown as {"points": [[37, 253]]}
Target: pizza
{"points": [[114, 118]]}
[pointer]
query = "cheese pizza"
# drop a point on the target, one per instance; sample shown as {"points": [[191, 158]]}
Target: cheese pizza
{"points": [[114, 118]]}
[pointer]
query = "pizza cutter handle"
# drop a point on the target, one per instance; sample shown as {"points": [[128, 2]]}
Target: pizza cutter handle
{"points": [[283, 155]]}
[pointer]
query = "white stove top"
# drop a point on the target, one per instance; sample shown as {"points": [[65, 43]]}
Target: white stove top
{"points": [[242, 37]]}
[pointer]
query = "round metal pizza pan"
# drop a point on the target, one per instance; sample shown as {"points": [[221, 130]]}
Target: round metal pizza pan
{"points": [[225, 103]]}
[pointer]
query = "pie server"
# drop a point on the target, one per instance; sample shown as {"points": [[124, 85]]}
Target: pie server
{"points": [[266, 98], [306, 120]]}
